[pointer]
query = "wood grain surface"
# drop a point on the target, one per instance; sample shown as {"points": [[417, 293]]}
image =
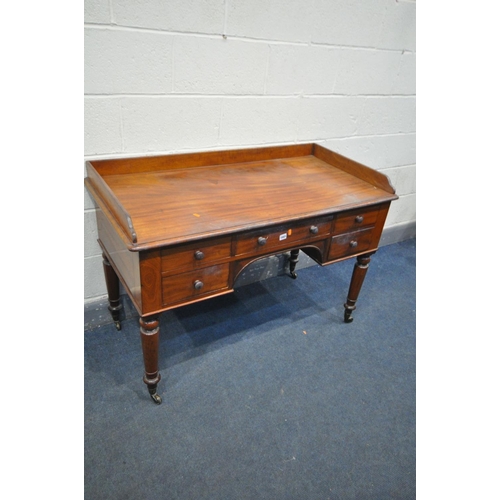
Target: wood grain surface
{"points": [[166, 200]]}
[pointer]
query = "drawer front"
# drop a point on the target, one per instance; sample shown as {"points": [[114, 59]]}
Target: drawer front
{"points": [[189, 285], [355, 219], [195, 255], [352, 243], [272, 238]]}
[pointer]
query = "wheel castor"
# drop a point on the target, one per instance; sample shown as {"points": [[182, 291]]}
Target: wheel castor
{"points": [[347, 316], [155, 396]]}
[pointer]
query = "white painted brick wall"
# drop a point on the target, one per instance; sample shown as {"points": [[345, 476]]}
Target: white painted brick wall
{"points": [[259, 120], [285, 20], [344, 22], [185, 75], [158, 123], [217, 66], [193, 16], [302, 69], [127, 62]]}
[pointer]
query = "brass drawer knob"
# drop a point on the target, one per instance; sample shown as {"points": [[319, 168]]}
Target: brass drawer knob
{"points": [[353, 244], [262, 241], [359, 219], [198, 285], [199, 255], [313, 229]]}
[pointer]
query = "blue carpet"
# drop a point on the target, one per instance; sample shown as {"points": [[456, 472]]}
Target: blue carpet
{"points": [[267, 394]]}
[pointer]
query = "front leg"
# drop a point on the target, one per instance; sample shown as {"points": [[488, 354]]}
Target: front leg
{"points": [[150, 339], [358, 276]]}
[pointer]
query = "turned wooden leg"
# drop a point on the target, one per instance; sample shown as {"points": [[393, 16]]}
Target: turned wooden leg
{"points": [[150, 339], [113, 287], [358, 276], [294, 258]]}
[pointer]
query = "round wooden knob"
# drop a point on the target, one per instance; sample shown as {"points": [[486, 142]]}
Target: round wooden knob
{"points": [[262, 240], [313, 229], [353, 244], [198, 255], [359, 218], [198, 285]]}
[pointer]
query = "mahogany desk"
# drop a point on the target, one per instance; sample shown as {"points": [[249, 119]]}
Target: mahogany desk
{"points": [[177, 229]]}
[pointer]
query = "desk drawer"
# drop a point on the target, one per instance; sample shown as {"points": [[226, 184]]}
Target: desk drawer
{"points": [[276, 237], [352, 243], [194, 255], [189, 285], [355, 219]]}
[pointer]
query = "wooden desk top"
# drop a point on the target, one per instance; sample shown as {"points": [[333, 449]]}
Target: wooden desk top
{"points": [[169, 199]]}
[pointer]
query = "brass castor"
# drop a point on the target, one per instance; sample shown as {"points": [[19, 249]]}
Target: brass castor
{"points": [[347, 316], [155, 396]]}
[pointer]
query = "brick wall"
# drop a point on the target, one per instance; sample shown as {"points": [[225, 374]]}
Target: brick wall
{"points": [[190, 75]]}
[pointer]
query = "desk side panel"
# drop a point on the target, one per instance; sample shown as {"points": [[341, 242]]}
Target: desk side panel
{"points": [[103, 195], [124, 262], [379, 225]]}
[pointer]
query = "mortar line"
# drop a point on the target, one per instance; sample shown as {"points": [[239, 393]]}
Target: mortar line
{"points": [[248, 96], [241, 38]]}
